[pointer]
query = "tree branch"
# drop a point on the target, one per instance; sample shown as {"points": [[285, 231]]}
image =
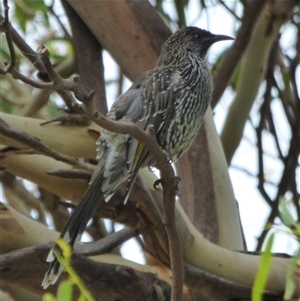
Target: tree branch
{"points": [[88, 52], [252, 72], [232, 57], [23, 137], [111, 273], [107, 243], [4, 23]]}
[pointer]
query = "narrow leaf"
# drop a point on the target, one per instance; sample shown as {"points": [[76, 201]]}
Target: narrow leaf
{"points": [[263, 271], [290, 280], [65, 291], [48, 297], [285, 215]]}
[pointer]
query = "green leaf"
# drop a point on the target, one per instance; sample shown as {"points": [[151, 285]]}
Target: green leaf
{"points": [[66, 249], [27, 10], [285, 215], [6, 107], [290, 285], [289, 289], [65, 291], [48, 297], [263, 271], [64, 259], [20, 17]]}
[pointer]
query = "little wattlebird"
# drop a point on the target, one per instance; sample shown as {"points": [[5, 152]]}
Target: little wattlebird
{"points": [[173, 98]]}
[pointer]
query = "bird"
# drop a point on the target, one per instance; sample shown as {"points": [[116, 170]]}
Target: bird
{"points": [[172, 98]]}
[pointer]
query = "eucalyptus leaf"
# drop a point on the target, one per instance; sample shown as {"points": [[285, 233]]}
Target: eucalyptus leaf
{"points": [[263, 271], [49, 297], [290, 281], [285, 215], [65, 291]]}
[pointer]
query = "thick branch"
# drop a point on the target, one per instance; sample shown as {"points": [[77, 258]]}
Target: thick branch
{"points": [[23, 137], [88, 52], [111, 272], [233, 56], [71, 140], [140, 31], [252, 71]]}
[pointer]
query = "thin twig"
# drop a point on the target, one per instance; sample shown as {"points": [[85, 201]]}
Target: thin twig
{"points": [[296, 198], [71, 174], [286, 181], [250, 174], [106, 244], [6, 25], [25, 49], [88, 53], [265, 111], [232, 57], [58, 20], [232, 12], [274, 132], [261, 177], [39, 85]]}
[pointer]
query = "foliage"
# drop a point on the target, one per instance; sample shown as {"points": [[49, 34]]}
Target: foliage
{"points": [[263, 271], [294, 230], [65, 289]]}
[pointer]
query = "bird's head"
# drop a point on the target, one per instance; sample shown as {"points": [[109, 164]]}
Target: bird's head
{"points": [[185, 40]]}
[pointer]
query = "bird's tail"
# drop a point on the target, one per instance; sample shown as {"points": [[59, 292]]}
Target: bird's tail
{"points": [[74, 228]]}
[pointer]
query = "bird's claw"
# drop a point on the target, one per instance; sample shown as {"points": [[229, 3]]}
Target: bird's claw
{"points": [[178, 179], [169, 159], [152, 164], [156, 184]]}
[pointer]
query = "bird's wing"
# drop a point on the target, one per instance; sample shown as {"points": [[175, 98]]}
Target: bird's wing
{"points": [[113, 148], [150, 100]]}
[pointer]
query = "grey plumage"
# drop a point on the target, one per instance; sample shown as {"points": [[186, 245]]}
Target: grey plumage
{"points": [[173, 98]]}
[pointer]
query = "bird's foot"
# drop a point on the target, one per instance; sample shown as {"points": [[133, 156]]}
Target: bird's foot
{"points": [[159, 182], [169, 158], [178, 179], [152, 164], [156, 184]]}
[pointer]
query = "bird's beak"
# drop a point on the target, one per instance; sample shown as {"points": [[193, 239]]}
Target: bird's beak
{"points": [[219, 37]]}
